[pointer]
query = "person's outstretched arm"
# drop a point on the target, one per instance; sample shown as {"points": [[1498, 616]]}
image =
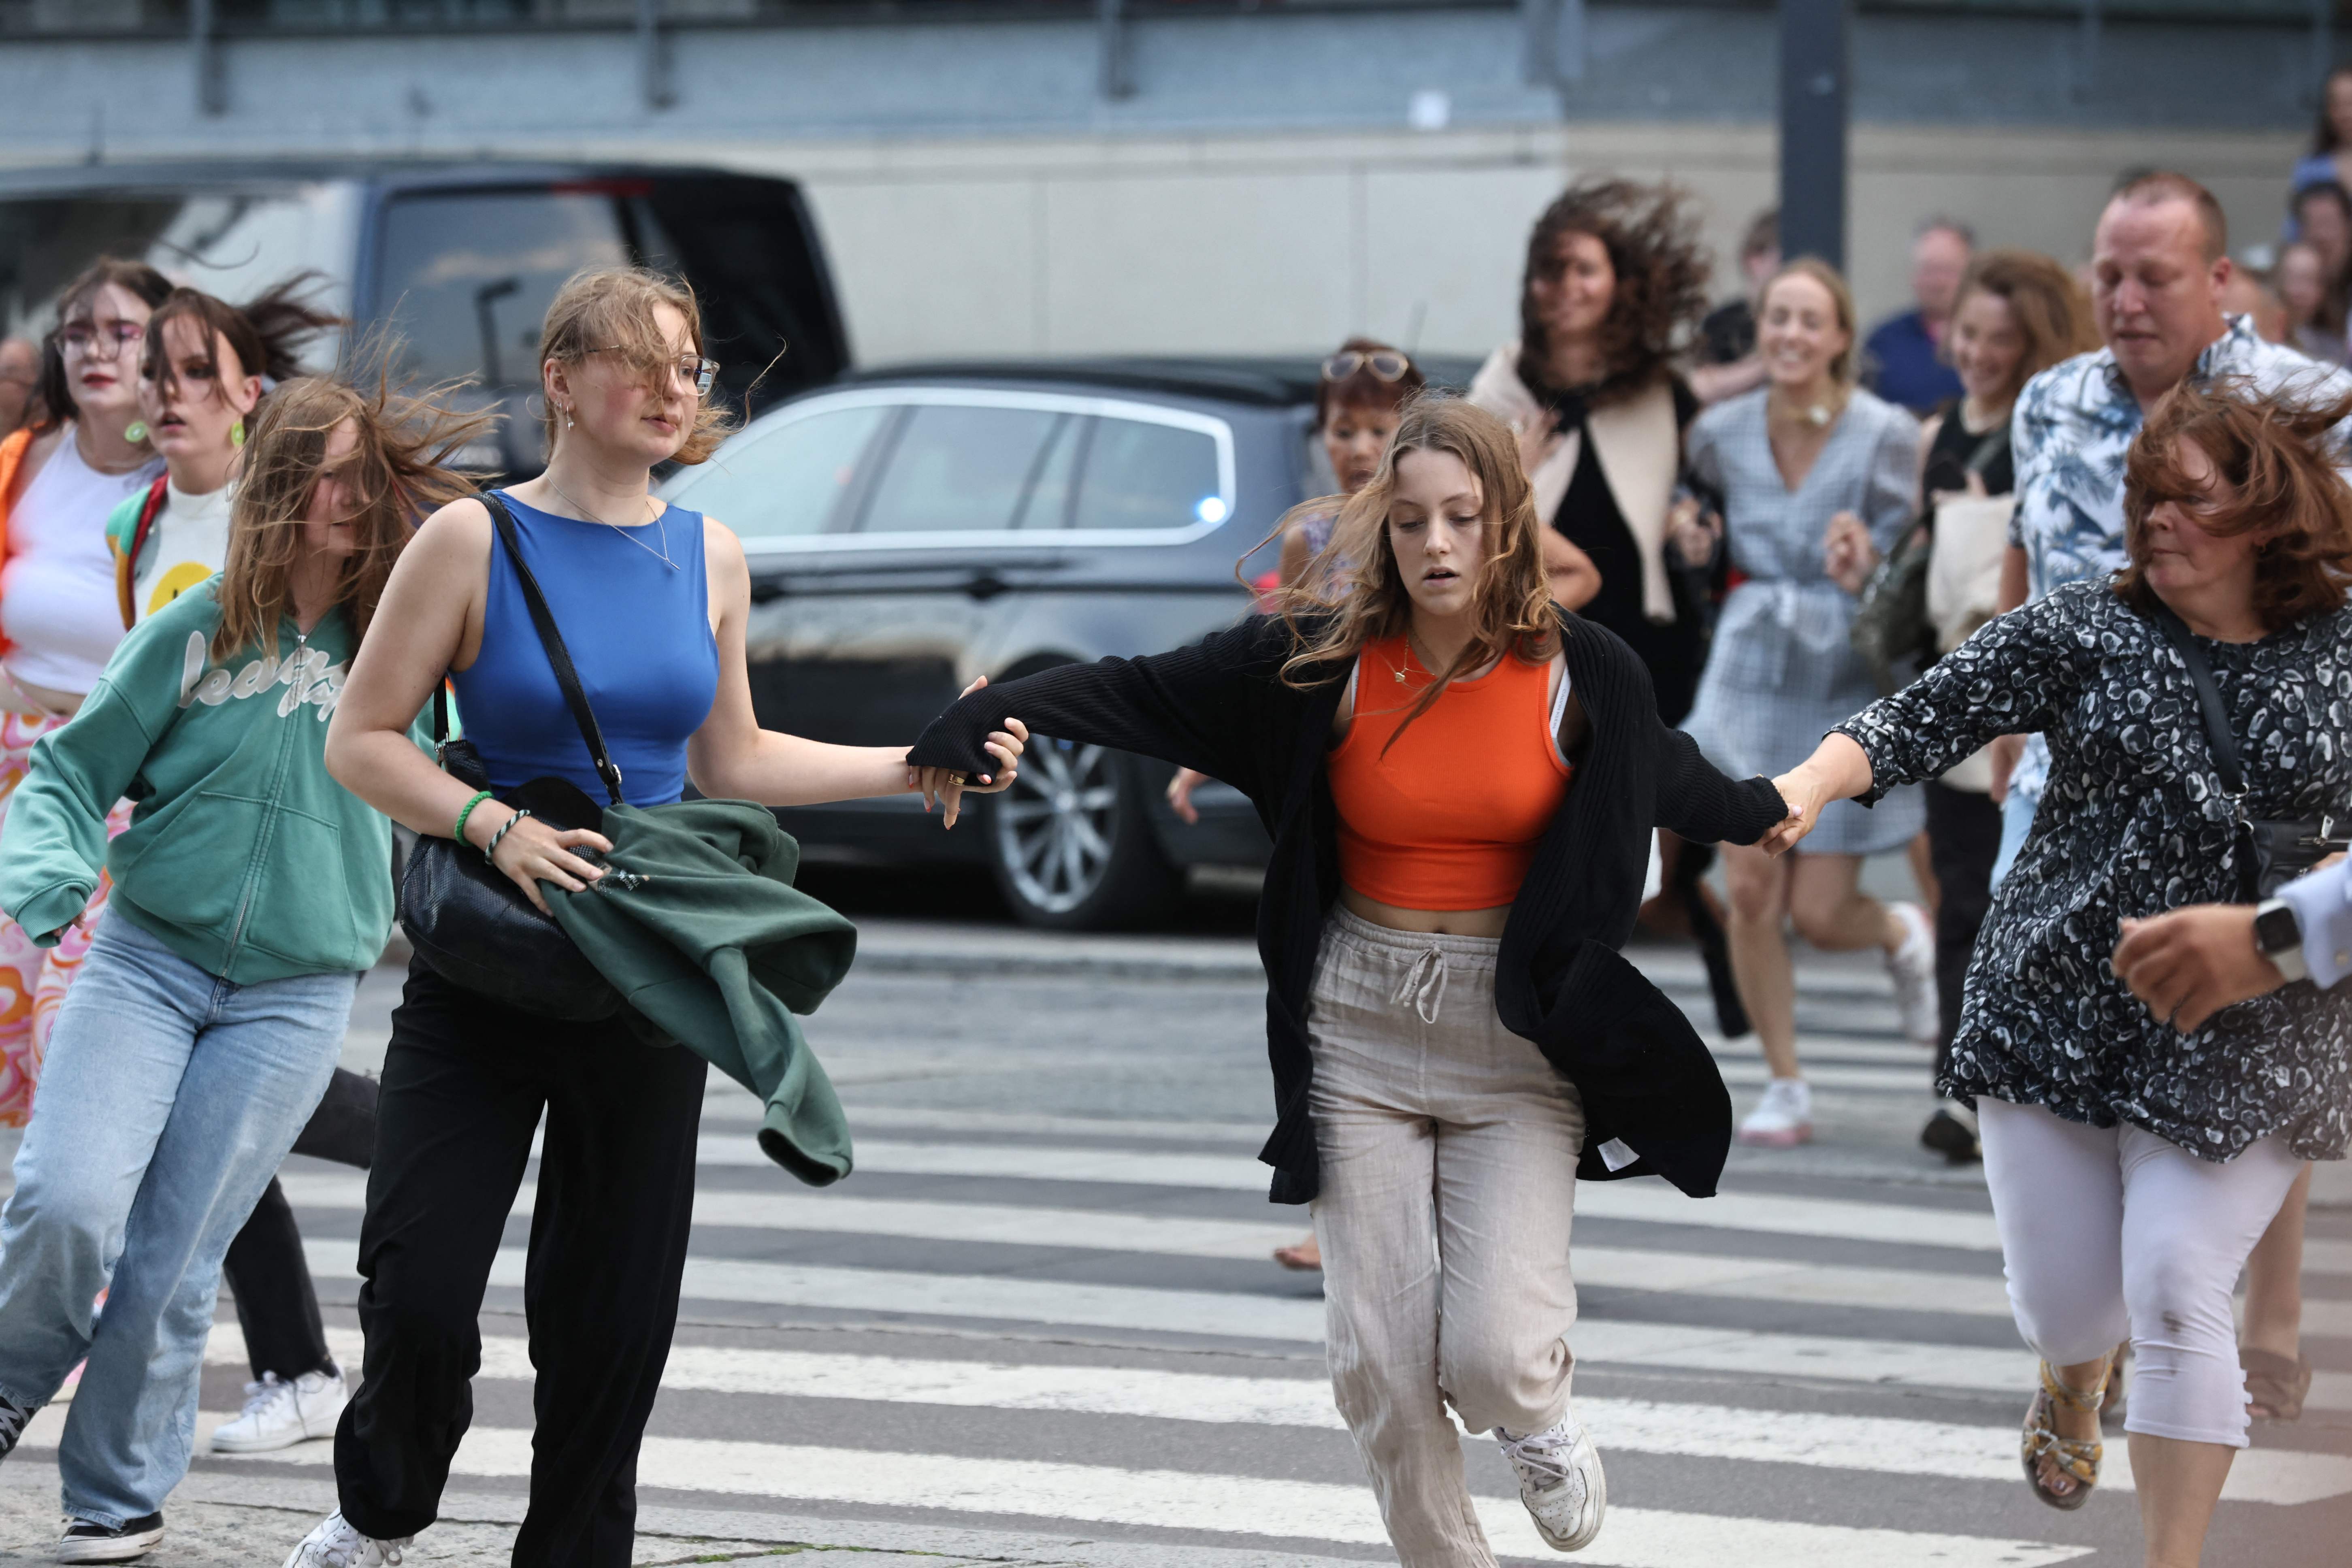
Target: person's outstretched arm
{"points": [[2189, 963], [1192, 706], [2013, 676]]}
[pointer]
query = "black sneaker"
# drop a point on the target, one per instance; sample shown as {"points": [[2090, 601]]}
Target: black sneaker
{"points": [[86, 1540], [1952, 1134], [13, 1419]]}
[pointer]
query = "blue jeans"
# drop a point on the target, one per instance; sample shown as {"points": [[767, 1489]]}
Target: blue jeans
{"points": [[167, 1101], [2017, 810]]}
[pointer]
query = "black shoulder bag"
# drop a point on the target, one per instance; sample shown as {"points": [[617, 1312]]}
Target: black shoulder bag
{"points": [[466, 918], [2270, 852]]}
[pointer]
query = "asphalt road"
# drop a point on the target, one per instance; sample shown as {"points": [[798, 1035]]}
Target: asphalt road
{"points": [[1039, 1323]]}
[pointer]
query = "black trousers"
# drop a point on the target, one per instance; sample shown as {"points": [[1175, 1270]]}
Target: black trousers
{"points": [[463, 1084], [277, 1305], [1963, 841]]}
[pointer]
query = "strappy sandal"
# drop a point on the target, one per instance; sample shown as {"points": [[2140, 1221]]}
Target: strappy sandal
{"points": [[2077, 1456], [2111, 1408], [2276, 1383]]}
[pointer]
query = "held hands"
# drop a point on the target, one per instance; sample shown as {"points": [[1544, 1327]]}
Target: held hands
{"points": [[947, 788], [1848, 553], [530, 852], [1806, 793], [2189, 963]]}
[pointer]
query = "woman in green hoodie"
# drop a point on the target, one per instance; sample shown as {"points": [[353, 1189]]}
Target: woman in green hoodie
{"points": [[251, 891]]}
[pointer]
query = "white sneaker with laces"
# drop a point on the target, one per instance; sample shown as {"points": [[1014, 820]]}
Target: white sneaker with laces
{"points": [[1912, 967], [280, 1415], [1783, 1118], [336, 1545], [1561, 1481]]}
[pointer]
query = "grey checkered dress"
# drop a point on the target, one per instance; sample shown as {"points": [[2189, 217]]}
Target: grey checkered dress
{"points": [[1781, 671]]}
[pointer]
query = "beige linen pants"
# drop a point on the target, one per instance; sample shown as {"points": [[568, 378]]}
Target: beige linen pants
{"points": [[1448, 1150]]}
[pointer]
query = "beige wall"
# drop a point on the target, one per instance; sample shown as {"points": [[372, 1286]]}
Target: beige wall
{"points": [[1287, 242]]}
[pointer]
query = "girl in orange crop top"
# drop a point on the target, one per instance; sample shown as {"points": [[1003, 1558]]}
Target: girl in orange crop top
{"points": [[1445, 816]]}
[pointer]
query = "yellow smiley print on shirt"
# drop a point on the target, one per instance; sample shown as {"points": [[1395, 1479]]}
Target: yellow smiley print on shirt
{"points": [[177, 582]]}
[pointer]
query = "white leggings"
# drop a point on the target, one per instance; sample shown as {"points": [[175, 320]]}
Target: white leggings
{"points": [[2105, 1228]]}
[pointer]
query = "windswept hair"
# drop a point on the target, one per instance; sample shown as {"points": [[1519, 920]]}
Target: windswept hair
{"points": [[1366, 599], [402, 468], [134, 278], [1662, 270], [266, 334], [2044, 299], [2278, 454], [611, 309]]}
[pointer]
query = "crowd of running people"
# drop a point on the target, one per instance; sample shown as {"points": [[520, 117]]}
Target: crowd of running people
{"points": [[1551, 642]]}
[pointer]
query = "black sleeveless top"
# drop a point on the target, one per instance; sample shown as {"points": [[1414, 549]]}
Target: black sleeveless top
{"points": [[1956, 445]]}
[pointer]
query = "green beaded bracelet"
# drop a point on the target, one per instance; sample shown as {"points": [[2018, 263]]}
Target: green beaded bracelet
{"points": [[465, 811]]}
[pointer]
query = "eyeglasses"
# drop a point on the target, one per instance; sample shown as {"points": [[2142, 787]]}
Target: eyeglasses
{"points": [[692, 369], [93, 340], [1386, 364]]}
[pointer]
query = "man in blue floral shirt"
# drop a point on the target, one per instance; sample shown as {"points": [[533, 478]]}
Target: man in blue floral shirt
{"points": [[2158, 264]]}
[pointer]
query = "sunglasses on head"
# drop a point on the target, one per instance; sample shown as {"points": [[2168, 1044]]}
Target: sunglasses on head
{"points": [[1386, 364]]}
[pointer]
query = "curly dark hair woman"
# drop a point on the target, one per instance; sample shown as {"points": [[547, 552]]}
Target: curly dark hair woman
{"points": [[1616, 281], [1659, 274]]}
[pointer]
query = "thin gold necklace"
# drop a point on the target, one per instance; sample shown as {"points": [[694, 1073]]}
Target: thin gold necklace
{"points": [[1413, 649], [624, 531]]}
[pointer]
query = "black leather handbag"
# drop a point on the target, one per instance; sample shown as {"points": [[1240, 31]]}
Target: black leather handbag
{"points": [[465, 918], [2272, 852]]}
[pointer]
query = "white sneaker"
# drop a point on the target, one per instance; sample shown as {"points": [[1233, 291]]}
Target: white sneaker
{"points": [[336, 1545], [1783, 1118], [280, 1415], [1560, 1482], [1912, 967]]}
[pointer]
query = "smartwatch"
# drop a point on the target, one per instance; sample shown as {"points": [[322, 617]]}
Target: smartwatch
{"points": [[2278, 935]]}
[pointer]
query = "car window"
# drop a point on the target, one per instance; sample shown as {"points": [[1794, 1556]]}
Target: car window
{"points": [[1142, 475], [959, 468], [785, 480], [1048, 503], [467, 277]]}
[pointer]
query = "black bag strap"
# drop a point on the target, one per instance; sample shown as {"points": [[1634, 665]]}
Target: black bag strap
{"points": [[2218, 737], [557, 656], [1989, 450]]}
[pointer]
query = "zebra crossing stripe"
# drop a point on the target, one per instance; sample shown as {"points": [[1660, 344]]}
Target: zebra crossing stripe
{"points": [[1886, 1445], [1244, 1505], [892, 1294]]}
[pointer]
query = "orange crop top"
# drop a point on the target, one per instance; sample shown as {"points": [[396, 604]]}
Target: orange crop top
{"points": [[1450, 817]]}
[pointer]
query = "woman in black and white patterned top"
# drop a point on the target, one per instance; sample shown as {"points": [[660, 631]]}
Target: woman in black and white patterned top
{"points": [[2133, 1166]]}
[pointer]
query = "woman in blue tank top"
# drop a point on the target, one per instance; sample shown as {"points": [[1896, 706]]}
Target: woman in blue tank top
{"points": [[652, 601]]}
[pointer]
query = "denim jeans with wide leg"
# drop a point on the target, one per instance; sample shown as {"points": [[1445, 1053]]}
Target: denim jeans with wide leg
{"points": [[167, 1101]]}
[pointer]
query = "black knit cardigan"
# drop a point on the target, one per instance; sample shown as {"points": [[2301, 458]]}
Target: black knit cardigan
{"points": [[1221, 706]]}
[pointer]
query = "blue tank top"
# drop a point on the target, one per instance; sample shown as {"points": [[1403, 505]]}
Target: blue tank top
{"points": [[639, 635]]}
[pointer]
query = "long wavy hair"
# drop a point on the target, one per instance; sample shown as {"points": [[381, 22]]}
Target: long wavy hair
{"points": [[266, 334], [1355, 593], [1652, 238], [402, 470]]}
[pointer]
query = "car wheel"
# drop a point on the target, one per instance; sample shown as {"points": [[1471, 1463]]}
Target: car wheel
{"points": [[1071, 842]]}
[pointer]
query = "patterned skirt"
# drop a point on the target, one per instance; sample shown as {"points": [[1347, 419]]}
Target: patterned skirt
{"points": [[33, 979]]}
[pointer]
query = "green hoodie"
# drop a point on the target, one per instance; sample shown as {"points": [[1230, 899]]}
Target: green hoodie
{"points": [[243, 855]]}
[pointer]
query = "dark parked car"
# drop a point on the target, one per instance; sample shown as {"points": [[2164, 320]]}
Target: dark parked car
{"points": [[457, 260], [910, 529]]}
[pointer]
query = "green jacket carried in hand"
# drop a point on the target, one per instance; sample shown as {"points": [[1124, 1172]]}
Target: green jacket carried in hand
{"points": [[243, 855], [698, 926]]}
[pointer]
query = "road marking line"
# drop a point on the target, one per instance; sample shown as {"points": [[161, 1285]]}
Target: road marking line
{"points": [[1886, 1445], [1182, 1500], [834, 1213]]}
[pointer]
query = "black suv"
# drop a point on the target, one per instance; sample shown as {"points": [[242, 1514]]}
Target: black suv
{"points": [[911, 529], [457, 260]]}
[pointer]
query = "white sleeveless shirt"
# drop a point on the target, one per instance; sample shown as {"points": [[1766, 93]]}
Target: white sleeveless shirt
{"points": [[58, 604]]}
